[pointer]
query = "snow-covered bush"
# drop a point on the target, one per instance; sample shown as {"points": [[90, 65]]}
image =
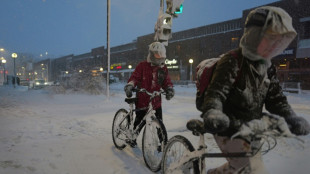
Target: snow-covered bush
{"points": [[59, 89], [85, 82]]}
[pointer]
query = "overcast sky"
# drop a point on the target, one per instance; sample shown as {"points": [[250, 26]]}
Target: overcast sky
{"points": [[62, 27]]}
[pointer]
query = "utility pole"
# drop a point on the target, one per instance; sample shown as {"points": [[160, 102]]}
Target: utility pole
{"points": [[108, 47]]}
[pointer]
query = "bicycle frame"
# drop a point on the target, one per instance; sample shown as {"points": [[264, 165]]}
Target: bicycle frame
{"points": [[200, 154], [270, 126], [149, 116]]}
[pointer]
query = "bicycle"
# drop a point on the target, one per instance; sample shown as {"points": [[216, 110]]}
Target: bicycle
{"points": [[181, 157], [154, 135]]}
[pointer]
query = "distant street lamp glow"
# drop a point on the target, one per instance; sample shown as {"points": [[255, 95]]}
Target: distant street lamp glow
{"points": [[3, 61], [191, 71], [14, 56], [44, 72], [129, 66]]}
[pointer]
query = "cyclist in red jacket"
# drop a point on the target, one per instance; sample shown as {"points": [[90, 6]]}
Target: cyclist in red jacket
{"points": [[151, 74]]}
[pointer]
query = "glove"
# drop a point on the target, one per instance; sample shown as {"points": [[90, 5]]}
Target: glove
{"points": [[128, 90], [169, 93], [215, 121], [298, 125]]}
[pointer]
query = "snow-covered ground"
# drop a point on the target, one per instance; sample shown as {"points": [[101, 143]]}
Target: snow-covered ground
{"points": [[46, 133]]}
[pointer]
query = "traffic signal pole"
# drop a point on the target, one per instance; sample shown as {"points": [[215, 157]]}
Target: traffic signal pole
{"points": [[163, 24]]}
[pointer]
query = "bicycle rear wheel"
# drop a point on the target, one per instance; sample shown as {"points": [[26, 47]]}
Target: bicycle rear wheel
{"points": [[153, 142], [118, 127], [175, 151]]}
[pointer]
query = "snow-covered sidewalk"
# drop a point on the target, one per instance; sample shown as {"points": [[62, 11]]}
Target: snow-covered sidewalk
{"points": [[45, 133]]}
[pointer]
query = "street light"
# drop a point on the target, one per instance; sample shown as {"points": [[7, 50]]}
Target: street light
{"points": [[14, 56], [191, 73], [45, 72], [3, 61], [129, 66]]}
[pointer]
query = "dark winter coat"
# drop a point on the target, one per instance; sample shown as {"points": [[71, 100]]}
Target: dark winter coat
{"points": [[152, 78], [241, 87]]}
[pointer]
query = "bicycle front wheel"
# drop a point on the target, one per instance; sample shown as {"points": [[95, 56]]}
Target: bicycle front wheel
{"points": [[153, 142], [120, 125], [175, 151]]}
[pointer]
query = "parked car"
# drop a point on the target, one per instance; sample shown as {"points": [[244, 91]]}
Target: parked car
{"points": [[113, 79], [37, 84], [24, 82]]}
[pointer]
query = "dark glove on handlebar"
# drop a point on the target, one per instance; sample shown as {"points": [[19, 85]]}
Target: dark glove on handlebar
{"points": [[169, 93], [128, 90], [215, 121], [298, 125]]}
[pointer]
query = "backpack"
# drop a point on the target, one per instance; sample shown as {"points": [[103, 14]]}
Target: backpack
{"points": [[204, 73]]}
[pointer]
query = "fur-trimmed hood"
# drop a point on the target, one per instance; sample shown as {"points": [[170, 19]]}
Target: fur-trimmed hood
{"points": [[257, 23]]}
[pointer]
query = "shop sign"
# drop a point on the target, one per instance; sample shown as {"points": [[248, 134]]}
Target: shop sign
{"points": [[288, 52], [117, 66], [171, 64]]}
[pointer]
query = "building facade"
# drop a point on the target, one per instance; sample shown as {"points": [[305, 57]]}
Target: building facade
{"points": [[198, 44]]}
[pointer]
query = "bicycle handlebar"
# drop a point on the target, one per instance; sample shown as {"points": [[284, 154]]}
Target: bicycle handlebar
{"points": [[155, 93], [269, 126]]}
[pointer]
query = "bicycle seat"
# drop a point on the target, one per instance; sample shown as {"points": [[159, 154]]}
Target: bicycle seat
{"points": [[130, 100], [196, 126]]}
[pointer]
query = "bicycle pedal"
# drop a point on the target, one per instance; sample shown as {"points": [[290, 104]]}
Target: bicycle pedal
{"points": [[131, 143], [159, 149]]}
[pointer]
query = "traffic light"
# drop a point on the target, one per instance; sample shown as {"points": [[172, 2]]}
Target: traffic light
{"points": [[174, 7], [163, 28]]}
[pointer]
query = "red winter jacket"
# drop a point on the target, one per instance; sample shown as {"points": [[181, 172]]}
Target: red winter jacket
{"points": [[145, 76]]}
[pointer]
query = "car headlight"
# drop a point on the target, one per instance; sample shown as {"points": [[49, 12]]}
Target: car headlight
{"points": [[37, 83]]}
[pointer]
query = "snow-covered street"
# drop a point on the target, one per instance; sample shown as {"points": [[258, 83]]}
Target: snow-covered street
{"points": [[46, 133]]}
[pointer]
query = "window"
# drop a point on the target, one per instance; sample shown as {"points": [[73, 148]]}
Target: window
{"points": [[306, 30]]}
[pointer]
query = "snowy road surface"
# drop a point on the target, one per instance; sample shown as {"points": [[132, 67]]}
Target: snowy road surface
{"points": [[45, 133]]}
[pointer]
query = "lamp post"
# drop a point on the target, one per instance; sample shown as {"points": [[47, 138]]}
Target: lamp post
{"points": [[14, 56], [191, 72], [129, 66], [3, 61], [108, 47], [45, 72]]}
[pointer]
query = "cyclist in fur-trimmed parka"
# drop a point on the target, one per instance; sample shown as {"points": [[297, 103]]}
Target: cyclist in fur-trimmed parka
{"points": [[242, 86], [152, 75]]}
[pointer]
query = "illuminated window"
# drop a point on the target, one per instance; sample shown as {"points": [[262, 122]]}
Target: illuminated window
{"points": [[234, 39]]}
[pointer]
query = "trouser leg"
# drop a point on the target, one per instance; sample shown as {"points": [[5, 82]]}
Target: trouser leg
{"points": [[233, 165], [140, 115], [159, 116], [139, 119]]}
